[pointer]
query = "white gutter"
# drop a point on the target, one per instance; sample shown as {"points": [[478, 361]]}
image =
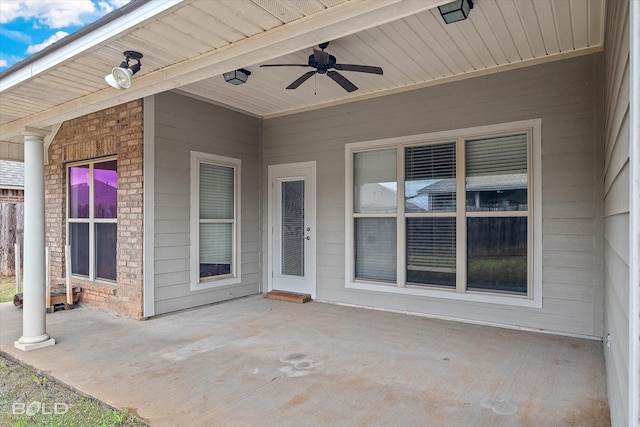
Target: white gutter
{"points": [[95, 34]]}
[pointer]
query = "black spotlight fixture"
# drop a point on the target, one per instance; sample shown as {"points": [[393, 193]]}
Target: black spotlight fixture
{"points": [[120, 77], [455, 11], [237, 77]]}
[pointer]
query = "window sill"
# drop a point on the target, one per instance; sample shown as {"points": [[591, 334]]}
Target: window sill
{"points": [[213, 284], [99, 287], [449, 294]]}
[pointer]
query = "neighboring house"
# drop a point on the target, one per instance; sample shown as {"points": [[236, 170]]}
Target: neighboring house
{"points": [[490, 176], [11, 182], [11, 214]]}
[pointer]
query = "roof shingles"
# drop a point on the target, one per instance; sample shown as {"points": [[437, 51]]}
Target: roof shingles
{"points": [[11, 174]]}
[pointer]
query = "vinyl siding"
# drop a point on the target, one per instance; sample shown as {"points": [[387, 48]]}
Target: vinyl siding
{"points": [[182, 125], [616, 209], [563, 94]]}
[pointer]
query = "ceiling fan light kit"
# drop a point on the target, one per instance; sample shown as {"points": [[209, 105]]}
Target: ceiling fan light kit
{"points": [[237, 77], [455, 11], [324, 63], [120, 77]]}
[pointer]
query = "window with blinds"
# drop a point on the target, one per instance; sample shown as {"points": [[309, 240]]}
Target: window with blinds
{"points": [[216, 203], [431, 251], [497, 178], [374, 182], [375, 251], [434, 239], [497, 183], [375, 204], [430, 178]]}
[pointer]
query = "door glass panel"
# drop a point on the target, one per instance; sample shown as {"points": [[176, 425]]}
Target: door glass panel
{"points": [[292, 228]]}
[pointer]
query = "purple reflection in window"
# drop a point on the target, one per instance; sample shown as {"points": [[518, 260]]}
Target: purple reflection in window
{"points": [[105, 193], [79, 191]]}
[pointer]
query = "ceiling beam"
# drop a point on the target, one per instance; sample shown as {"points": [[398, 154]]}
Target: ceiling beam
{"points": [[329, 24]]}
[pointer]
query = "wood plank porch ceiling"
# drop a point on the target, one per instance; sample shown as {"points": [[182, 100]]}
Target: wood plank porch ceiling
{"points": [[188, 46]]}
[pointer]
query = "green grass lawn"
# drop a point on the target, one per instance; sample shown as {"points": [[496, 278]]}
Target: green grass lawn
{"points": [[31, 398], [7, 288]]}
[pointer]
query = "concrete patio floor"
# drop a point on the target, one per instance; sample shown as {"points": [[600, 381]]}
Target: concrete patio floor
{"points": [[258, 362]]}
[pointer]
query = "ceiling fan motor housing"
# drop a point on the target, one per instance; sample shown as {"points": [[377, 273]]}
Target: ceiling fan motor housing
{"points": [[324, 63], [320, 66]]}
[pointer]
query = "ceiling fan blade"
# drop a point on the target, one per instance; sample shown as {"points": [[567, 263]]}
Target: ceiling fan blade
{"points": [[321, 56], [286, 65], [342, 81], [359, 68], [303, 78]]}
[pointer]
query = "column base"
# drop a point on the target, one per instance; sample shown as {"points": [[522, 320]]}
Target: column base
{"points": [[27, 346]]}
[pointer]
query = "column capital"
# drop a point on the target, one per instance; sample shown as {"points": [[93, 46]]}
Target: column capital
{"points": [[35, 132]]}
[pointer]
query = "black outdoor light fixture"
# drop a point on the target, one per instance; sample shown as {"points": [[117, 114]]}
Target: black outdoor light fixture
{"points": [[455, 11], [120, 77], [237, 77]]}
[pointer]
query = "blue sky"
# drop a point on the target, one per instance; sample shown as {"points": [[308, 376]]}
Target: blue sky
{"points": [[28, 26]]}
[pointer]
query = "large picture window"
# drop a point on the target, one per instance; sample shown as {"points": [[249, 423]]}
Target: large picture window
{"points": [[92, 216], [214, 220], [447, 211]]}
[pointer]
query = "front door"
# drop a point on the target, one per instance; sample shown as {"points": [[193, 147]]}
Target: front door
{"points": [[292, 245]]}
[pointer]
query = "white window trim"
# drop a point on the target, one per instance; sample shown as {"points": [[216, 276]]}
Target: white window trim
{"points": [[534, 299], [92, 221], [196, 283]]}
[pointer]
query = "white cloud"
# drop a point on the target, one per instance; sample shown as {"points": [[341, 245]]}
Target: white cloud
{"points": [[16, 36], [57, 13], [110, 5], [48, 13], [54, 38], [3, 63]]}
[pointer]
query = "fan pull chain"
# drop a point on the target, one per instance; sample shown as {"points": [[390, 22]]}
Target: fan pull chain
{"points": [[315, 84]]}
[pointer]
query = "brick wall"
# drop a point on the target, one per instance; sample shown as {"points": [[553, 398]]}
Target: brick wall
{"points": [[114, 131], [9, 195]]}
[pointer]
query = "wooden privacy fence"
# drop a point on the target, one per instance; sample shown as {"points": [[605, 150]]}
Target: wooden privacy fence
{"points": [[11, 232]]}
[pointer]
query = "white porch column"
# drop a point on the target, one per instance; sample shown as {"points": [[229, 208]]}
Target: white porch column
{"points": [[34, 334]]}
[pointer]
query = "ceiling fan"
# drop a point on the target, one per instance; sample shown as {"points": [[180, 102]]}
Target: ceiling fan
{"points": [[324, 63]]}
